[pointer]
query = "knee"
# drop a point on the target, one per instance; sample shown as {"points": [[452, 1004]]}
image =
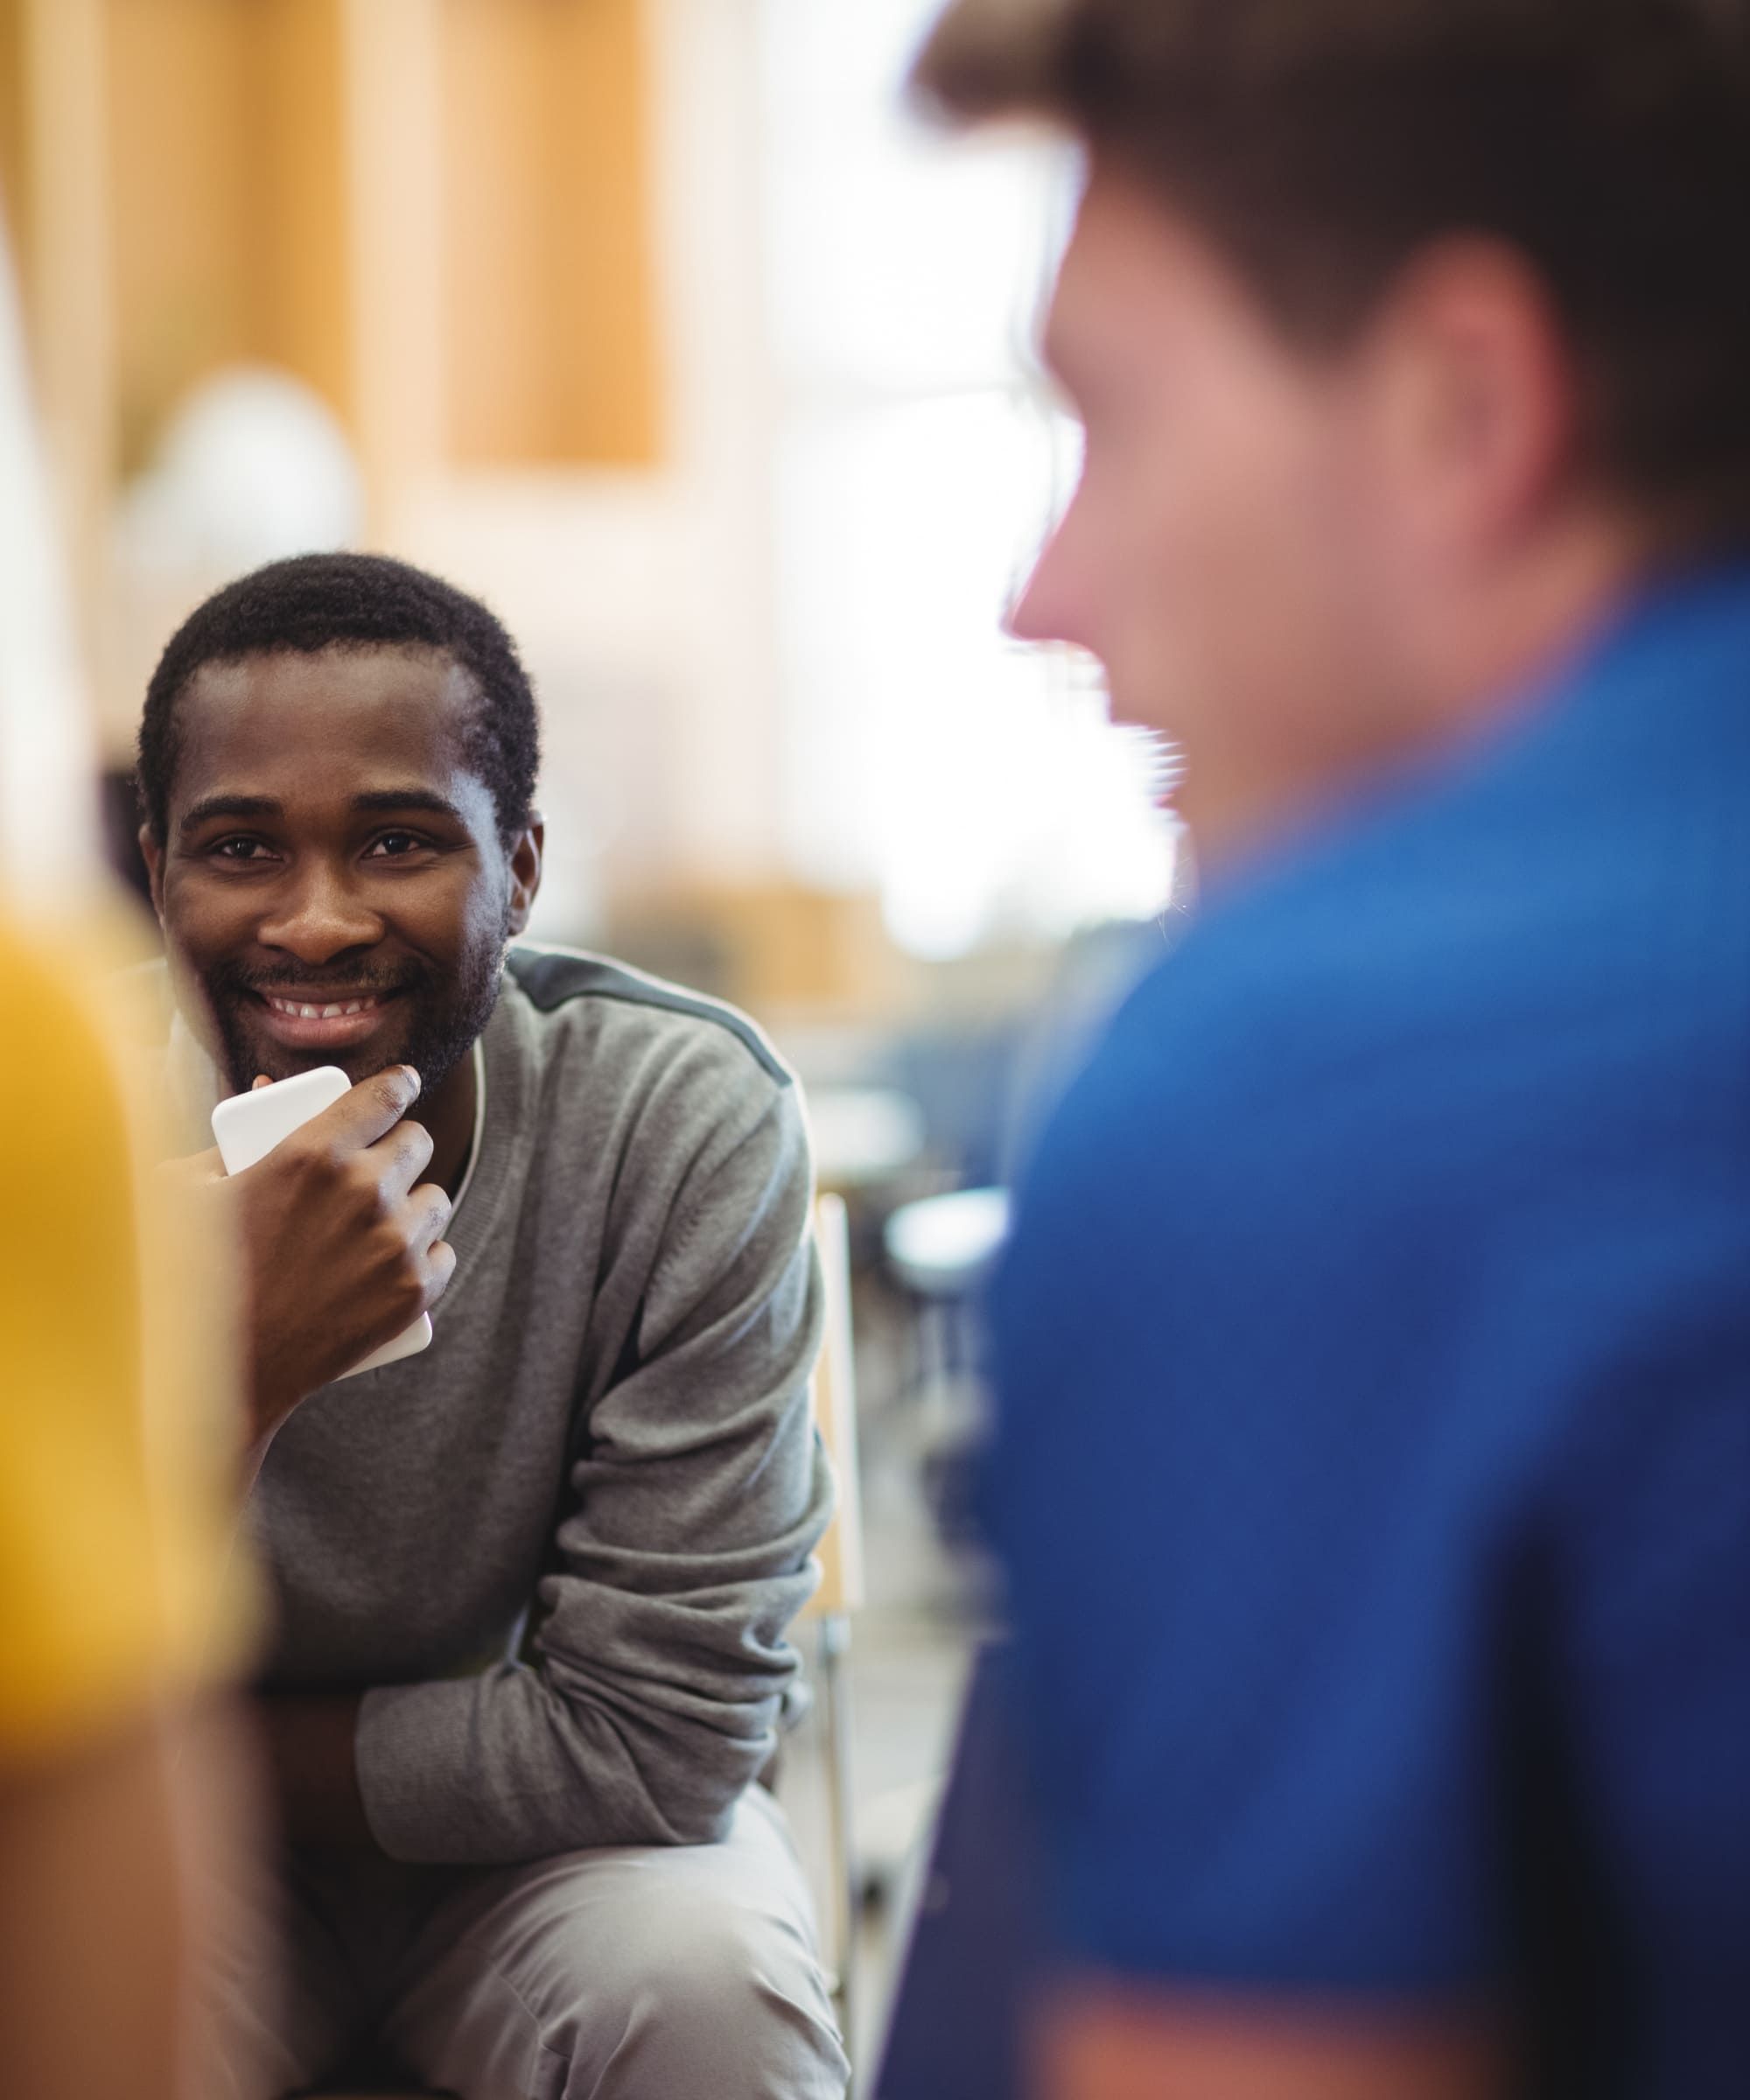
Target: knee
{"points": [[709, 1982], [703, 1957]]}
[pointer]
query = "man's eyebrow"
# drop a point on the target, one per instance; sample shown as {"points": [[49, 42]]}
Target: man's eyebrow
{"points": [[388, 800], [239, 805], [374, 801]]}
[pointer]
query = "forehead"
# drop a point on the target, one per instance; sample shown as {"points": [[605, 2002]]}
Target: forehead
{"points": [[1138, 276], [333, 724]]}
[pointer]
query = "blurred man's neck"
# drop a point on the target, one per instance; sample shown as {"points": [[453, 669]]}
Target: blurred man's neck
{"points": [[1497, 645]]}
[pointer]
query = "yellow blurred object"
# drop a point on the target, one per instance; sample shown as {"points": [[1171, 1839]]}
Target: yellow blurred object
{"points": [[114, 1440]]}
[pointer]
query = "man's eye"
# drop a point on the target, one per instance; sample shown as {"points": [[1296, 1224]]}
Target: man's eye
{"points": [[394, 845], [240, 850]]}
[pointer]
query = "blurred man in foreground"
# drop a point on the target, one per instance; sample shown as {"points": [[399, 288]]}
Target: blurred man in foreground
{"points": [[1374, 1469], [116, 1617], [110, 1587]]}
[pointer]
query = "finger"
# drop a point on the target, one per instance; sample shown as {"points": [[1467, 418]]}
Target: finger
{"points": [[401, 1158], [440, 1266], [374, 1106], [428, 1213], [260, 1080]]}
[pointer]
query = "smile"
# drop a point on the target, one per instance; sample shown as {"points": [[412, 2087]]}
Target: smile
{"points": [[297, 1010], [324, 1025]]}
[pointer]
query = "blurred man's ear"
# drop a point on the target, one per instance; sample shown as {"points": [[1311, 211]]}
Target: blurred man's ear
{"points": [[1478, 399], [153, 853], [526, 855]]}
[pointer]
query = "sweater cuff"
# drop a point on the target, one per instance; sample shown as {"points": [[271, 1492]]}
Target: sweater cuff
{"points": [[409, 1771]]}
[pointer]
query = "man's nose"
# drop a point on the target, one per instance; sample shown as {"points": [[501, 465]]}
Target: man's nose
{"points": [[1047, 609], [319, 915]]}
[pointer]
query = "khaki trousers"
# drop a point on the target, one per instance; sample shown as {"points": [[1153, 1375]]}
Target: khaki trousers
{"points": [[634, 1973]]}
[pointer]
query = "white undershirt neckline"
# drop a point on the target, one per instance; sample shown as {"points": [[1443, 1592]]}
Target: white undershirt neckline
{"points": [[479, 1058]]}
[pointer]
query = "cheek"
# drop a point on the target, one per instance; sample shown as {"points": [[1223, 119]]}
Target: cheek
{"points": [[440, 910], [477, 922], [1178, 554], [197, 924], [1102, 575], [1224, 603]]}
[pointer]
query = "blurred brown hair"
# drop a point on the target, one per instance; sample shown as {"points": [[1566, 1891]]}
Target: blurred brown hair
{"points": [[1321, 143]]}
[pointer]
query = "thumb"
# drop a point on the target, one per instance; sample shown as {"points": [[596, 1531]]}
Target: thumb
{"points": [[260, 1080]]}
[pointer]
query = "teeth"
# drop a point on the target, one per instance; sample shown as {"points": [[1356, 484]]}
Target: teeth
{"points": [[336, 1009]]}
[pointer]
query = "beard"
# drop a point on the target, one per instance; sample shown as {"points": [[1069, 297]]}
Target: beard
{"points": [[431, 1021]]}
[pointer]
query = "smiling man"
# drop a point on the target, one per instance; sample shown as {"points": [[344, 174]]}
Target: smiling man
{"points": [[1373, 1464], [533, 1585]]}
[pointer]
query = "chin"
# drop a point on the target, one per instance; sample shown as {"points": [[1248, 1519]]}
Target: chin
{"points": [[245, 1059]]}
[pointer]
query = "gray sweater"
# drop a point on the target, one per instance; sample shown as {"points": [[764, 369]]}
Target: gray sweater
{"points": [[610, 1433]]}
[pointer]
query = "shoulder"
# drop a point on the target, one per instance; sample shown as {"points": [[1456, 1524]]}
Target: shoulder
{"points": [[1488, 1001], [564, 981], [1290, 1021], [634, 1065]]}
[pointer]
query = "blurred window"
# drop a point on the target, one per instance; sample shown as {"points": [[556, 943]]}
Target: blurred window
{"points": [[977, 784]]}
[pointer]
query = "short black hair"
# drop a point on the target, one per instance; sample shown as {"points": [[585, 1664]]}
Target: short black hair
{"points": [[351, 601]]}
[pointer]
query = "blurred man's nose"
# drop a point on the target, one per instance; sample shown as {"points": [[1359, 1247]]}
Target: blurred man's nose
{"points": [[1049, 608]]}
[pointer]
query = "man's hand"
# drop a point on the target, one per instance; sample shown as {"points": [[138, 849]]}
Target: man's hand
{"points": [[342, 1245]]}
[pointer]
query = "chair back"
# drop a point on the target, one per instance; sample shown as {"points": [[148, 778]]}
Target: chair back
{"points": [[840, 1552]]}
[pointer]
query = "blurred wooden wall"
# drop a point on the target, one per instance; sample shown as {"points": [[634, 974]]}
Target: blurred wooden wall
{"points": [[228, 199], [53, 161], [435, 211], [549, 308]]}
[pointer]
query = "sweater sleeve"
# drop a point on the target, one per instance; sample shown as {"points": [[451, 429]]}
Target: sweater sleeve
{"points": [[659, 1659]]}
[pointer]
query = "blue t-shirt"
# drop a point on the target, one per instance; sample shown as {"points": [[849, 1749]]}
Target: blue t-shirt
{"points": [[1373, 1468]]}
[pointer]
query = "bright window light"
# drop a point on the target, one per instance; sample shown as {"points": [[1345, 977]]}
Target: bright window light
{"points": [[977, 784]]}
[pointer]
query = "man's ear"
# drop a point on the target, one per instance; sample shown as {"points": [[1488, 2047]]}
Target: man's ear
{"points": [[153, 853], [525, 872], [1483, 392]]}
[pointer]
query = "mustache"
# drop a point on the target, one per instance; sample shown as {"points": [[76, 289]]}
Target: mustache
{"points": [[236, 978]]}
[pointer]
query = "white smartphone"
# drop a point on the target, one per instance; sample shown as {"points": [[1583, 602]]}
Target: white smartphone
{"points": [[249, 1126]]}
